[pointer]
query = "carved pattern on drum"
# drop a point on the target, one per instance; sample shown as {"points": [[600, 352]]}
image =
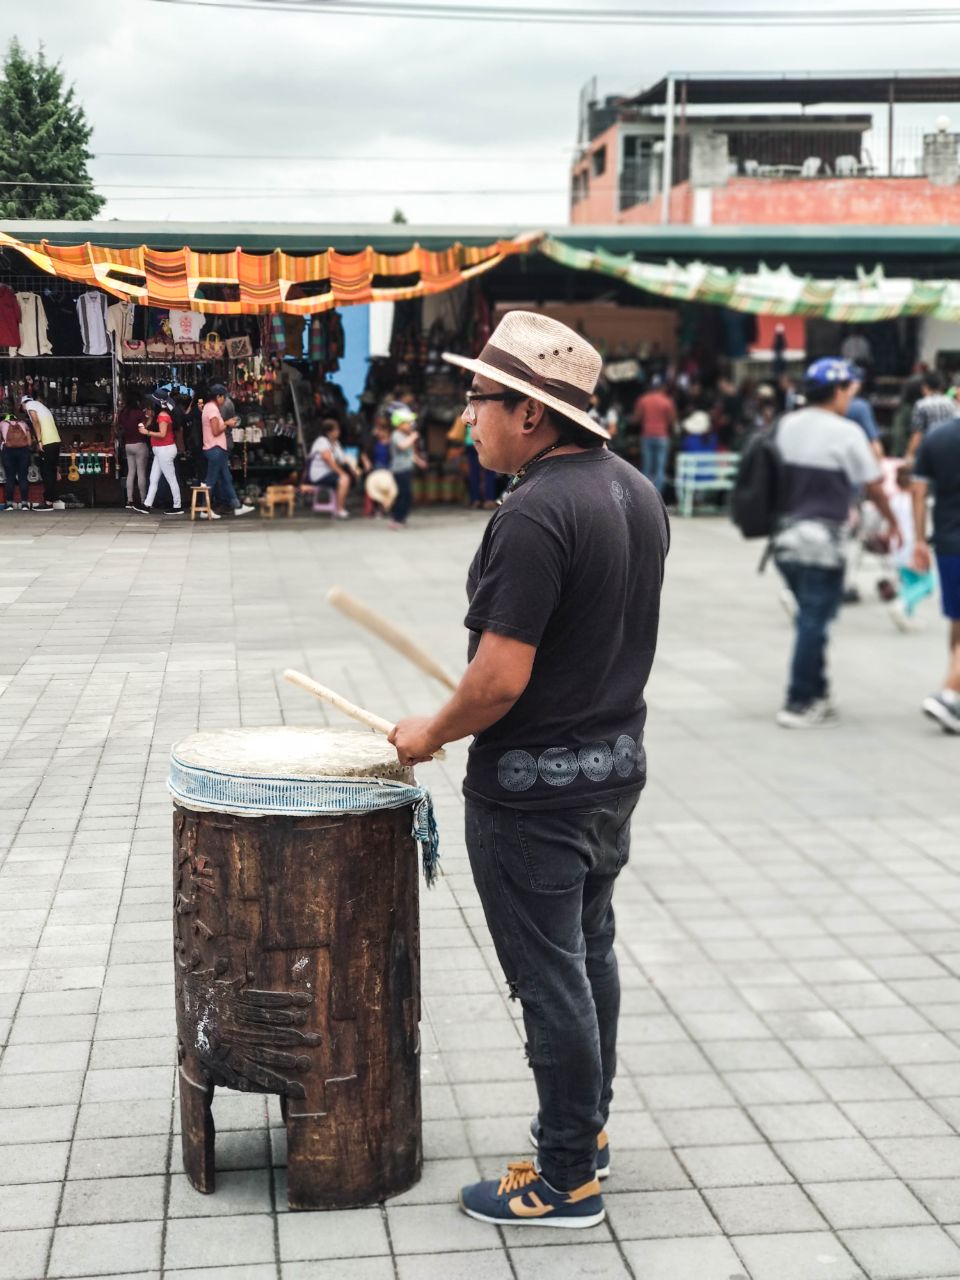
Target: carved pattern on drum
{"points": [[516, 771], [242, 1036], [596, 761], [625, 756], [558, 766]]}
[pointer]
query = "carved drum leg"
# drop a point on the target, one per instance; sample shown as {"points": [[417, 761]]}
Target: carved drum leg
{"points": [[297, 973]]}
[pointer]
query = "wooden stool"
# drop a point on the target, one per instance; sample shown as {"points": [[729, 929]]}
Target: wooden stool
{"points": [[200, 501], [278, 495]]}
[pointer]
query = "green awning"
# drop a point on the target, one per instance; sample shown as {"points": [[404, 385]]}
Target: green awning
{"points": [[870, 297]]}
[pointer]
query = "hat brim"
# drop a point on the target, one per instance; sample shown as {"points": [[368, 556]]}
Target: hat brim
{"points": [[578, 416], [380, 486]]}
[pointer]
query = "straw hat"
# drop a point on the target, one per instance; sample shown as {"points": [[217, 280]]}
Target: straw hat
{"points": [[381, 487], [543, 359]]}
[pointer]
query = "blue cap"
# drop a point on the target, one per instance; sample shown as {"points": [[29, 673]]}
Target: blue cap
{"points": [[830, 370]]}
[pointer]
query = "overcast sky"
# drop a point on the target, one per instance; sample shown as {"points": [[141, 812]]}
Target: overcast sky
{"points": [[483, 117]]}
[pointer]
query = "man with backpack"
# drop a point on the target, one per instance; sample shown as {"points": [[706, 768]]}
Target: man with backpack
{"points": [[798, 486]]}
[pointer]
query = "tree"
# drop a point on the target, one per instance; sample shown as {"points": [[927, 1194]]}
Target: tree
{"points": [[43, 139], [399, 216]]}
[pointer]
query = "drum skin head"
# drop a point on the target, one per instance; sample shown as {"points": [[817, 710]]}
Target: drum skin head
{"points": [[287, 752]]}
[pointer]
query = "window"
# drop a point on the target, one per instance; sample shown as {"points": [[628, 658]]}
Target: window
{"points": [[599, 161]]}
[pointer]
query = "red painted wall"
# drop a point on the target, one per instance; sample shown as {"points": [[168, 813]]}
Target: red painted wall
{"points": [[818, 201]]}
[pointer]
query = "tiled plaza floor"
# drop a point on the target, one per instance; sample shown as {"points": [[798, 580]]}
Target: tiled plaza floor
{"points": [[789, 1103]]}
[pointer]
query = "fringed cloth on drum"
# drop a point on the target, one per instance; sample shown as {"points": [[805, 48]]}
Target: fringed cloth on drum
{"points": [[212, 790]]}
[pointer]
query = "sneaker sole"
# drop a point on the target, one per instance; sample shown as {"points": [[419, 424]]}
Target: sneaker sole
{"points": [[575, 1224], [602, 1174], [934, 711]]}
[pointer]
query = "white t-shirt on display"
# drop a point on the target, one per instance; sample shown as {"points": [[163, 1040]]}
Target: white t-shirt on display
{"points": [[186, 326], [92, 312]]}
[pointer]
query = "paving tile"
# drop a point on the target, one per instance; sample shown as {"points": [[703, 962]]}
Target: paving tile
{"points": [[763, 1210], [880, 1203], [363, 1269], [218, 1241], [904, 1253], [237, 1193], [339, 1233], [118, 1157], [23, 1254], [569, 1262], [657, 1214], [909, 1118], [436, 1229], [812, 1255], [28, 1205], [733, 1166], [112, 1200], [703, 1257], [940, 1195], [835, 1160], [34, 1162], [106, 1248]]}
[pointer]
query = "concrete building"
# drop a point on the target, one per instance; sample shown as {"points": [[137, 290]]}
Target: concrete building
{"points": [[718, 150]]}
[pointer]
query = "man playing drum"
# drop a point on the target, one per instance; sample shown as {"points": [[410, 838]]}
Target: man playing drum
{"points": [[564, 607]]}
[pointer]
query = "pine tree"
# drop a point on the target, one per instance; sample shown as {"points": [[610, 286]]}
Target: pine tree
{"points": [[43, 139]]}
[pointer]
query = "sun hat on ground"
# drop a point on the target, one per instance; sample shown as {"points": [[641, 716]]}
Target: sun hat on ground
{"points": [[381, 487], [543, 359]]}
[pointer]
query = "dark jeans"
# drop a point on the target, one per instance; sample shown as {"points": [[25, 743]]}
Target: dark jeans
{"points": [[545, 880], [49, 461], [818, 594], [401, 508], [219, 478], [16, 464]]}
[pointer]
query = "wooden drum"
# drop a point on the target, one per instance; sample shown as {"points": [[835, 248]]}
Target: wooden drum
{"points": [[296, 940]]}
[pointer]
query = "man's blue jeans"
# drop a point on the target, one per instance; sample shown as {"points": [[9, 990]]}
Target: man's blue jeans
{"points": [[818, 593], [655, 450], [545, 879], [219, 478]]}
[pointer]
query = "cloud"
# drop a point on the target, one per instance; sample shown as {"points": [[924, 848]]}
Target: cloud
{"points": [[448, 102]]}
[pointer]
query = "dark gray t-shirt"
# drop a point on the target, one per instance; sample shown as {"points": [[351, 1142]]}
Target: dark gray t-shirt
{"points": [[571, 563], [938, 460]]}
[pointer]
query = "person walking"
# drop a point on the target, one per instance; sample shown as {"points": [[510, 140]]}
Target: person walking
{"points": [[163, 442], [655, 414], [136, 449], [933, 407], [17, 435], [216, 453], [936, 467], [564, 608], [403, 454], [48, 442], [826, 459]]}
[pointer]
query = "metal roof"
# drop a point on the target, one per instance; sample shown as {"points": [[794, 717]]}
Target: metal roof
{"points": [[853, 86], [775, 242]]}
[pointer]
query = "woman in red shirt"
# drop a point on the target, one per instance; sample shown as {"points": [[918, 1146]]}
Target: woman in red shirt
{"points": [[161, 437]]}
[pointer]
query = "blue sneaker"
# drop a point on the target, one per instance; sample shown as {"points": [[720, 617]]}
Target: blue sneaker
{"points": [[523, 1197], [603, 1148]]}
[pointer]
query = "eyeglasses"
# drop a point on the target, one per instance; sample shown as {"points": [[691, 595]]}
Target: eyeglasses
{"points": [[478, 397]]}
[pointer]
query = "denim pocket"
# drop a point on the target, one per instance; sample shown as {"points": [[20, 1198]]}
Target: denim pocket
{"points": [[558, 847]]}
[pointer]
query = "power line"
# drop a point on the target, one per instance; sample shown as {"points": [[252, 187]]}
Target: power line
{"points": [[218, 192], [559, 158], [918, 16]]}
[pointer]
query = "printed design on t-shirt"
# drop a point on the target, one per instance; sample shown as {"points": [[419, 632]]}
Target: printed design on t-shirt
{"points": [[518, 770], [620, 494]]}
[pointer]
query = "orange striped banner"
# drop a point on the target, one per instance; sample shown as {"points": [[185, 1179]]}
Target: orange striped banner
{"points": [[243, 283]]}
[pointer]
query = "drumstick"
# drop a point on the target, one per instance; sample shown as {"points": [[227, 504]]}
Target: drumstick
{"points": [[393, 635], [374, 722]]}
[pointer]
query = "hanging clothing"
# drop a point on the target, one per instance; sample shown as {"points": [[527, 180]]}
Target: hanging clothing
{"points": [[34, 339], [9, 318], [63, 325], [120, 320], [186, 326], [92, 312]]}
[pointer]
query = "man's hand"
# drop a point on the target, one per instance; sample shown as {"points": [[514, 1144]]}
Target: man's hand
{"points": [[922, 560], [413, 739]]}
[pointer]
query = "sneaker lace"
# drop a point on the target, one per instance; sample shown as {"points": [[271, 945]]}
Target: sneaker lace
{"points": [[520, 1173]]}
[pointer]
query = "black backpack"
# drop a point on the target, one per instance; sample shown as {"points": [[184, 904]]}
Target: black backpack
{"points": [[758, 491]]}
